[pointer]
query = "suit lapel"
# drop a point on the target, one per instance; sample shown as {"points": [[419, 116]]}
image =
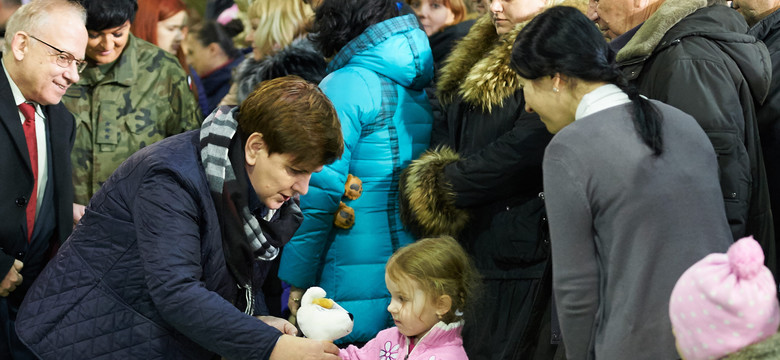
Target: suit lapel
{"points": [[9, 117]]}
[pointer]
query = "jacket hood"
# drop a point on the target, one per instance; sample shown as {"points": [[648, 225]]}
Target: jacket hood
{"points": [[766, 26], [478, 67], [299, 58], [677, 19], [396, 48]]}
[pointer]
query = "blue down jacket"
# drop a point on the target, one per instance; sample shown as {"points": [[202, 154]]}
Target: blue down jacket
{"points": [[143, 275], [376, 85]]}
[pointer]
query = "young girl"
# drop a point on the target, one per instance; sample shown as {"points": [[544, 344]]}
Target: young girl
{"points": [[725, 306], [430, 282]]}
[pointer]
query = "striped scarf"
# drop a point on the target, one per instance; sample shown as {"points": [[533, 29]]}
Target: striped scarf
{"points": [[244, 238]]}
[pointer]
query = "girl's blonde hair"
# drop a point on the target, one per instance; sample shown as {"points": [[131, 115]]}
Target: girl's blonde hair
{"points": [[441, 267], [281, 22]]}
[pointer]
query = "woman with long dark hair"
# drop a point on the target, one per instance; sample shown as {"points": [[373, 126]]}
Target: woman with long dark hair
{"points": [[631, 190]]}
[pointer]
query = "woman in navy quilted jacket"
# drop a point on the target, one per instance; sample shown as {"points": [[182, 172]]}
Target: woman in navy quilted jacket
{"points": [[168, 260]]}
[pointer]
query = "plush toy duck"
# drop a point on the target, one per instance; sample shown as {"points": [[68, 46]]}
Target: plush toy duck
{"points": [[322, 319]]}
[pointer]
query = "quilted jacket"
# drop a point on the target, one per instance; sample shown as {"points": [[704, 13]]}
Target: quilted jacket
{"points": [[143, 275], [376, 85]]}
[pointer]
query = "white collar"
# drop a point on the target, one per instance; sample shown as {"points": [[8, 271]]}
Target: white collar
{"points": [[602, 98], [18, 97]]}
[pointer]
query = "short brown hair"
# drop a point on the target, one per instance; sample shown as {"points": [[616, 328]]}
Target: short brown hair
{"points": [[441, 267], [295, 118]]}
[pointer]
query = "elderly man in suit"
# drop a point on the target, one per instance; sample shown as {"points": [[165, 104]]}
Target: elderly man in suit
{"points": [[44, 50]]}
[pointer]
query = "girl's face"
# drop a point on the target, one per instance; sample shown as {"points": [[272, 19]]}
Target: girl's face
{"points": [[197, 55], [433, 15], [414, 313], [171, 31], [257, 53]]}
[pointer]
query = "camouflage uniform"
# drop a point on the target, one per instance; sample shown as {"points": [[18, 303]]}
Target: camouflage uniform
{"points": [[140, 98]]}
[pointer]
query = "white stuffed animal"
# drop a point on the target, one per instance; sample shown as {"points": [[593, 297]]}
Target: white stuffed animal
{"points": [[322, 319]]}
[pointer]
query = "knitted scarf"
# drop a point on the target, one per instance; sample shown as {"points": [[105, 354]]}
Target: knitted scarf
{"points": [[245, 239]]}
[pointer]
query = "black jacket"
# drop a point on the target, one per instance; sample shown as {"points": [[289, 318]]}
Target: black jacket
{"points": [[699, 59], [482, 187], [17, 184], [768, 31], [488, 192]]}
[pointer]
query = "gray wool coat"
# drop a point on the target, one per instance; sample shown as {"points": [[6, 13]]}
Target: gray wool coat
{"points": [[624, 225]]}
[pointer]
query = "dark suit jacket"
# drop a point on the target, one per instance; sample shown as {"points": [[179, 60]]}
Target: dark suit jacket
{"points": [[16, 181]]}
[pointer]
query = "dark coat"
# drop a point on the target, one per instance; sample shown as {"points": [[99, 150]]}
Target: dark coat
{"points": [[699, 59], [768, 31], [443, 41], [143, 276], [493, 178], [17, 185], [216, 84], [483, 188]]}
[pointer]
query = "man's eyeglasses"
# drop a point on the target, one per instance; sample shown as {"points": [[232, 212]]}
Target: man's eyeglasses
{"points": [[64, 58]]}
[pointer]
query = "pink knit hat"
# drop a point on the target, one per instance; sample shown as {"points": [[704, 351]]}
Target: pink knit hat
{"points": [[724, 302]]}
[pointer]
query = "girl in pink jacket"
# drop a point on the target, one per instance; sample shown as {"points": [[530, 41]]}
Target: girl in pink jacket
{"points": [[429, 281]]}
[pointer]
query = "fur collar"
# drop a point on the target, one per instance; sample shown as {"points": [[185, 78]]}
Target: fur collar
{"points": [[763, 350], [478, 67], [655, 28]]}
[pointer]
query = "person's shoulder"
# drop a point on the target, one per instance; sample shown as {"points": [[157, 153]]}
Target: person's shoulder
{"points": [[355, 80], [768, 31], [151, 58]]}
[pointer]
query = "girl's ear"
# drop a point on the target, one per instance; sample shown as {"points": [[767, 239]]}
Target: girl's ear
{"points": [[443, 305]]}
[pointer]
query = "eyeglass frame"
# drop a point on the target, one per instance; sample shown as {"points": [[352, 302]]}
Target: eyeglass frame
{"points": [[80, 64]]}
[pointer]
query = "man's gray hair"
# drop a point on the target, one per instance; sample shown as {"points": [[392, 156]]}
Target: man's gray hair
{"points": [[36, 14]]}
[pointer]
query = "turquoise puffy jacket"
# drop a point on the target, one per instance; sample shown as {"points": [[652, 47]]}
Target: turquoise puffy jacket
{"points": [[376, 84]]}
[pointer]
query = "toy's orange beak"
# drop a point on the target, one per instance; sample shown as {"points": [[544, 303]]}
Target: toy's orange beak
{"points": [[326, 303]]}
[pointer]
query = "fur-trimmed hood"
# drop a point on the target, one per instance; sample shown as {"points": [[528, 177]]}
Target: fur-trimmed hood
{"points": [[655, 28], [677, 19], [478, 67], [299, 58]]}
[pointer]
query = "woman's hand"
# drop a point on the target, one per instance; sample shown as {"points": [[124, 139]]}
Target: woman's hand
{"points": [[280, 324]]}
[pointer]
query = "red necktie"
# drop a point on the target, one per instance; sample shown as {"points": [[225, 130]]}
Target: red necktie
{"points": [[32, 148]]}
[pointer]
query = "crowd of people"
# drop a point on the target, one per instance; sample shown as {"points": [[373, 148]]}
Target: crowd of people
{"points": [[469, 179]]}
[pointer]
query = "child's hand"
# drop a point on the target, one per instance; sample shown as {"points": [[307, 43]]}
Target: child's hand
{"points": [[294, 301]]}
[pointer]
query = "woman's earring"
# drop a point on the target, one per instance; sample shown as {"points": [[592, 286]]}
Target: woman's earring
{"points": [[555, 89]]}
